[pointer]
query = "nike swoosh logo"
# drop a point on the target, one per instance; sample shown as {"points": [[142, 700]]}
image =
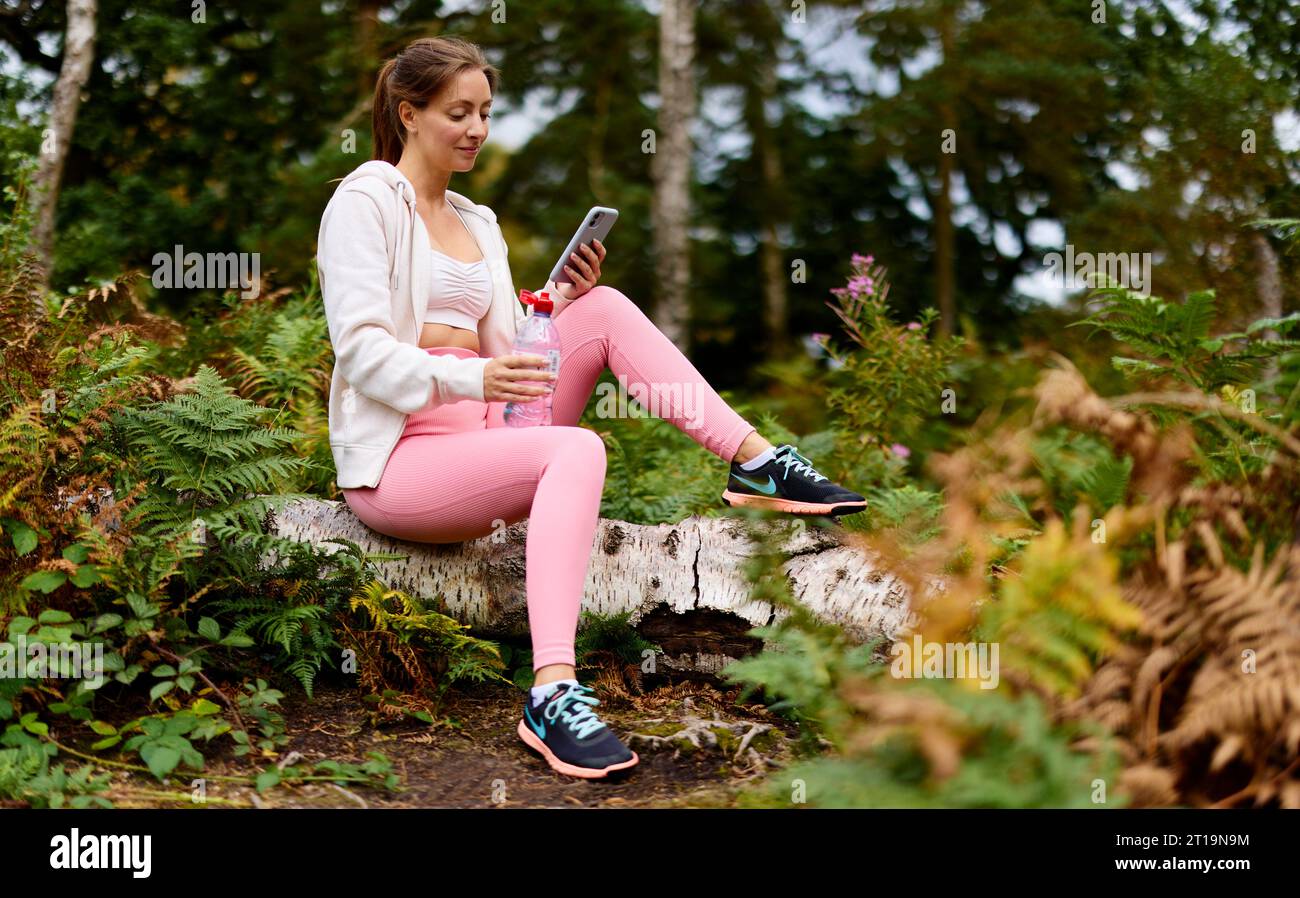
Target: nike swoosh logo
{"points": [[538, 728], [769, 488]]}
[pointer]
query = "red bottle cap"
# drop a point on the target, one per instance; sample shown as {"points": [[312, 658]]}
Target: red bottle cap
{"points": [[543, 303]]}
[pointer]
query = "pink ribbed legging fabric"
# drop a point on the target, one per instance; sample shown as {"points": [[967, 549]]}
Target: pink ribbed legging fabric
{"points": [[457, 472]]}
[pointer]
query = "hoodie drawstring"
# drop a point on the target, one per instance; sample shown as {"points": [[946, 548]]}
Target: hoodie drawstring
{"points": [[397, 259]]}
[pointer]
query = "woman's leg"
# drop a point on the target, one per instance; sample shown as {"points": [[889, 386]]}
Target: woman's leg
{"points": [[605, 329], [451, 487]]}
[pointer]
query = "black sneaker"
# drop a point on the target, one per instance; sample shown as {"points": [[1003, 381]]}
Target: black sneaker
{"points": [[570, 736], [788, 482]]}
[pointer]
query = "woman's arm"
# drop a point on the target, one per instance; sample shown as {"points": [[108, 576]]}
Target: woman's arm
{"points": [[352, 263]]}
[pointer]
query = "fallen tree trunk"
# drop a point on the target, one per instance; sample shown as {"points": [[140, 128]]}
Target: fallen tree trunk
{"points": [[683, 583]]}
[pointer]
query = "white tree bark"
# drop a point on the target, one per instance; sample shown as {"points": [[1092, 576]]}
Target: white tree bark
{"points": [[683, 583], [78, 54]]}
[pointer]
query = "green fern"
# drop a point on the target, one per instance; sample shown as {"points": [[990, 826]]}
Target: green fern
{"points": [[910, 510], [212, 467], [1079, 467]]}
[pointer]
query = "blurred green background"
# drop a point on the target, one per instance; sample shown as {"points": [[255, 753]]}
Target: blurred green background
{"points": [[819, 132]]}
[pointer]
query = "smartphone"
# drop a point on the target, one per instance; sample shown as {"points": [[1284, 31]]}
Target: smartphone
{"points": [[596, 226]]}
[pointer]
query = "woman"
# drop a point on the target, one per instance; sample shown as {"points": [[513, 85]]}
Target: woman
{"points": [[422, 315]]}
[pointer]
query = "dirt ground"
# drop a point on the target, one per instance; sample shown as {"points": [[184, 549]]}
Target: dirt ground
{"points": [[697, 749]]}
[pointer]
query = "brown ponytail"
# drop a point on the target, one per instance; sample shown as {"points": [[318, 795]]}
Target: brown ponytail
{"points": [[417, 75]]}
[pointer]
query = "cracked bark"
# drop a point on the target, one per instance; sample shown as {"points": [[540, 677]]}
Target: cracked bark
{"points": [[683, 583]]}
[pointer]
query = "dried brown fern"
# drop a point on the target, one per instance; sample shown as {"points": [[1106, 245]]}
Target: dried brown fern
{"points": [[1207, 700]]}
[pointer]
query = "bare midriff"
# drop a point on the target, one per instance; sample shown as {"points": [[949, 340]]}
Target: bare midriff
{"points": [[445, 335]]}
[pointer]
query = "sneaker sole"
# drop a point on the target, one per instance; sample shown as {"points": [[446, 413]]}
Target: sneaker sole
{"points": [[587, 773], [790, 506]]}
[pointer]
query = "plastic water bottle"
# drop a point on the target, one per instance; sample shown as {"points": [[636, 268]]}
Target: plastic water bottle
{"points": [[537, 336]]}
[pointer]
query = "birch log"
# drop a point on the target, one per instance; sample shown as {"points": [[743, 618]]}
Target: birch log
{"points": [[684, 583]]}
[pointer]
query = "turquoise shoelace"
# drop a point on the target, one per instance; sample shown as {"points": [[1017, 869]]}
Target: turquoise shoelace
{"points": [[580, 718], [790, 457]]}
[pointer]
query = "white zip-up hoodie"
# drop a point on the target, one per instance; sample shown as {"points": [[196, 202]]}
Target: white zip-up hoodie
{"points": [[372, 259]]}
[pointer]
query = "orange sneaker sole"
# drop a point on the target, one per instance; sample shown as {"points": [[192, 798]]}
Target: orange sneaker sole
{"points": [[587, 773], [790, 506]]}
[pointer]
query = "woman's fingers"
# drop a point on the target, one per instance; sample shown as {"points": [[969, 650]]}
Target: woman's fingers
{"points": [[529, 367], [578, 279], [525, 368], [582, 263], [505, 380]]}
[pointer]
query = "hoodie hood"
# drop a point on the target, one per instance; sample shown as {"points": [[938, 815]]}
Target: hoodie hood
{"points": [[404, 202]]}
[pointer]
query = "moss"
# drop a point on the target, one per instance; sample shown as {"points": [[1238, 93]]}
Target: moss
{"points": [[665, 728], [685, 746], [728, 741], [766, 742]]}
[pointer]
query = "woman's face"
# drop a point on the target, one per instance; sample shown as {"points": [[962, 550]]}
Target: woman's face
{"points": [[452, 123]]}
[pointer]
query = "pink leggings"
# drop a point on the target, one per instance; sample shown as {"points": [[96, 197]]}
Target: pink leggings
{"points": [[457, 470]]}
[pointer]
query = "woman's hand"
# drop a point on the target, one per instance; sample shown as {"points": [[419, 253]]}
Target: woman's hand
{"points": [[587, 270], [502, 376]]}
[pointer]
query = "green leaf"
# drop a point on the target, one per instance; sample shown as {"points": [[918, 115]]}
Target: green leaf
{"points": [[128, 676], [204, 708], [266, 779], [103, 727], [164, 670], [1137, 366], [44, 581], [1198, 315], [141, 606], [86, 575], [106, 743], [209, 629], [161, 759], [237, 640], [76, 553], [20, 626], [1281, 325], [161, 689], [24, 537], [54, 616], [106, 622]]}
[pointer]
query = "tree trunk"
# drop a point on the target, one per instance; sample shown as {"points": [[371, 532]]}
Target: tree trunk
{"points": [[776, 317], [682, 582], [78, 54], [367, 25], [1268, 283], [671, 170], [944, 244]]}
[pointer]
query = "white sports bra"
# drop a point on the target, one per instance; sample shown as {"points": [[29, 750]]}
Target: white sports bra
{"points": [[461, 292]]}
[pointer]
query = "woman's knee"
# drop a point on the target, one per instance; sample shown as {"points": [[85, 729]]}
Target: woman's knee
{"points": [[604, 291], [603, 299], [583, 444]]}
